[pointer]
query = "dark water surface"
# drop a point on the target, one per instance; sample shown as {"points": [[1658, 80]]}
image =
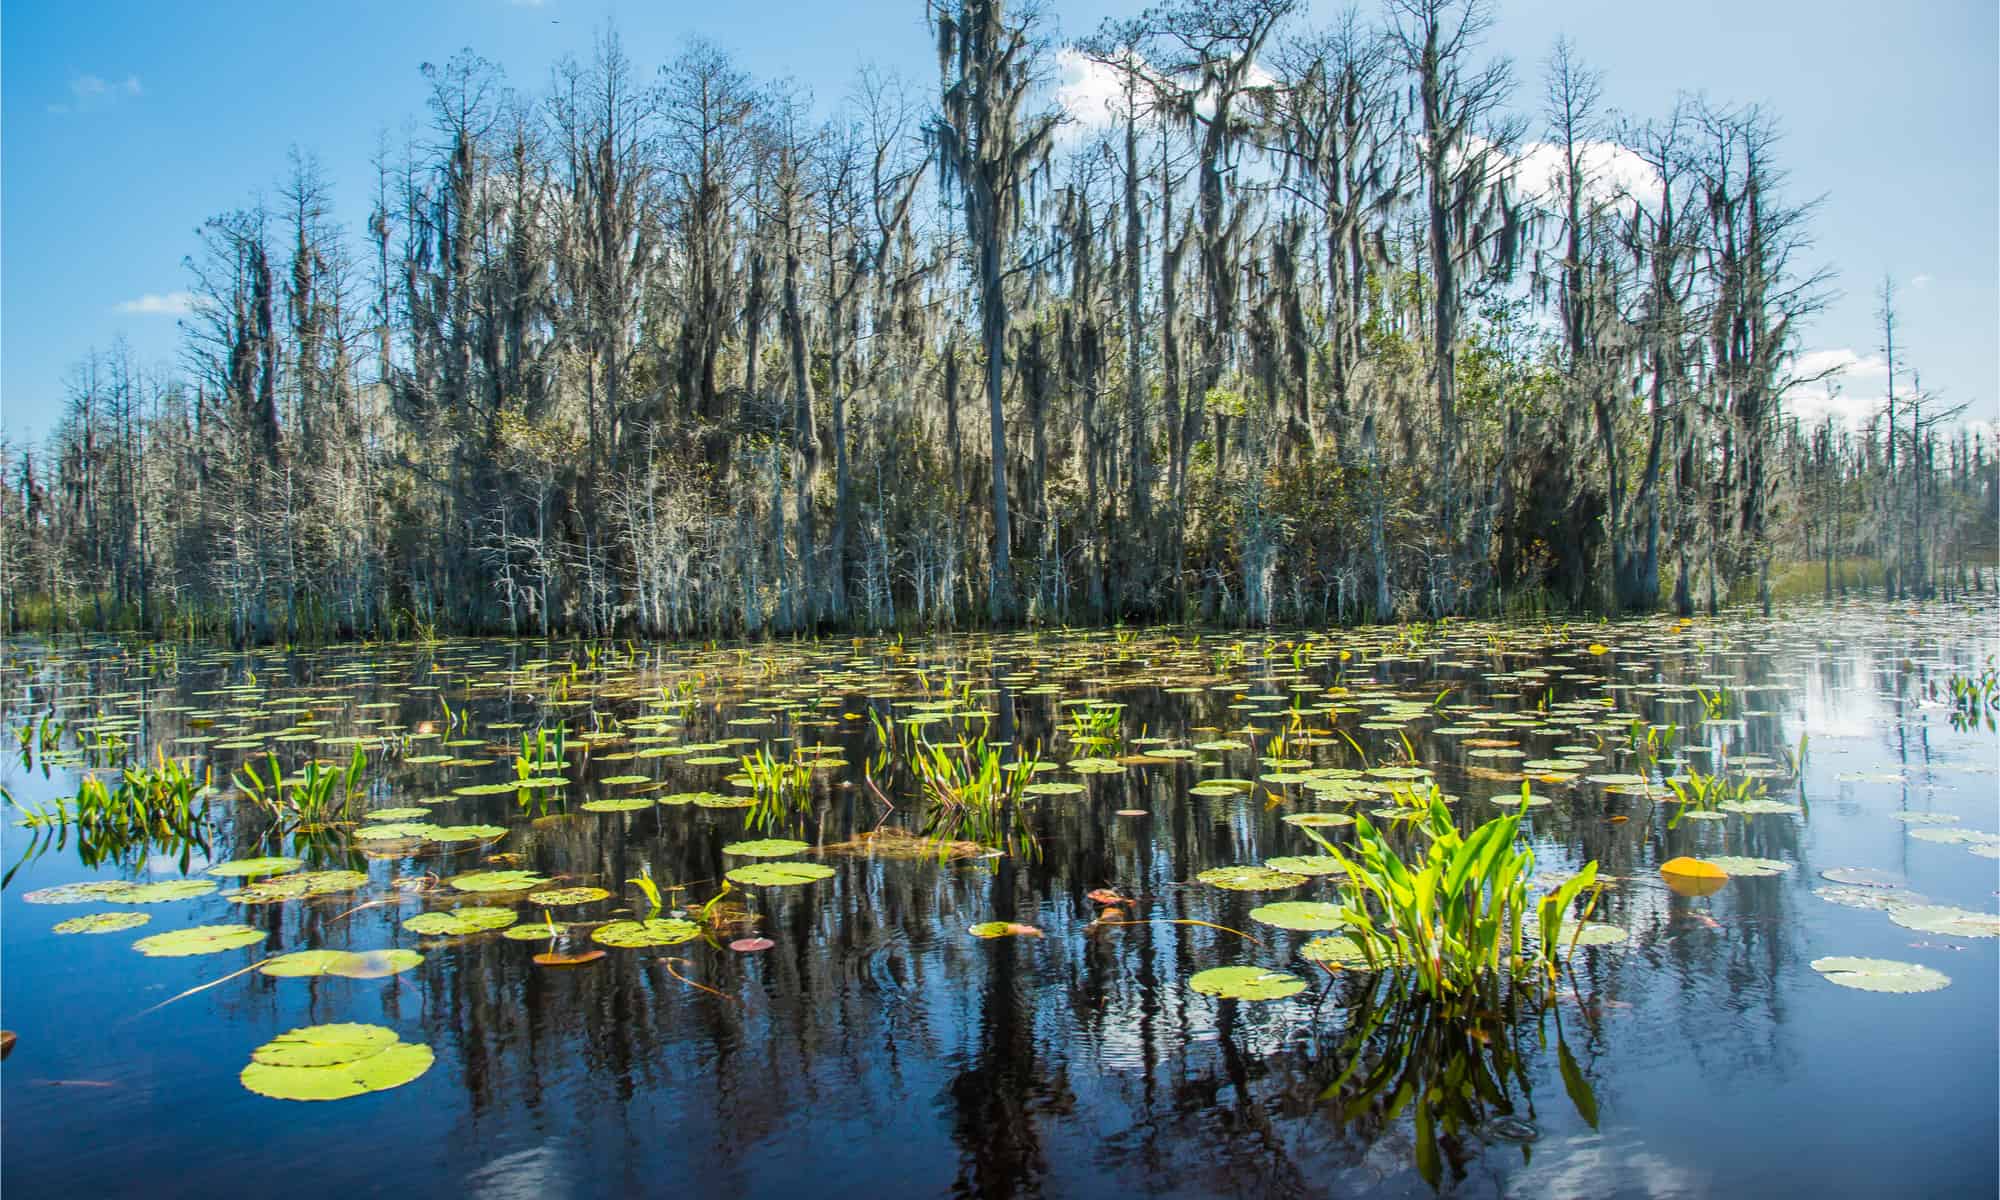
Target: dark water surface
{"points": [[879, 1049]]}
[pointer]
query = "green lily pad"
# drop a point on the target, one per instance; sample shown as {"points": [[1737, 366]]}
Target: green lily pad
{"points": [[1943, 918], [1343, 952], [393, 831], [347, 964], [1300, 914], [464, 833], [395, 814], [1247, 983], [457, 922], [1733, 864], [1590, 933], [292, 887], [1250, 879], [779, 874], [1880, 975], [531, 931], [1753, 807], [78, 893], [1001, 929], [107, 922], [497, 881], [339, 1061], [198, 939], [618, 804], [574, 895], [246, 868], [1955, 837], [625, 780], [1878, 898], [1319, 820], [1306, 864], [1054, 787], [656, 931], [160, 893], [766, 848]]}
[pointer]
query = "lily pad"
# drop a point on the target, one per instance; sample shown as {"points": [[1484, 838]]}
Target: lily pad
{"points": [[574, 895], [198, 939], [1880, 975], [1590, 933], [1250, 879], [107, 922], [160, 893], [1733, 864], [347, 964], [766, 848], [246, 868], [294, 886], [395, 814], [334, 1062], [656, 931], [1300, 914], [464, 833], [1342, 952], [77, 893], [457, 922], [618, 804], [1247, 983], [497, 881], [1001, 929], [1878, 898], [1945, 919], [1306, 864], [1319, 820], [779, 874]]}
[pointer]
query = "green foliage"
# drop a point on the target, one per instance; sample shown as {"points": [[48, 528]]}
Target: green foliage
{"points": [[1454, 914]]}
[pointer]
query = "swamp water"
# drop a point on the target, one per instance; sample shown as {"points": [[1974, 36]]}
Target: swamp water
{"points": [[837, 1027]]}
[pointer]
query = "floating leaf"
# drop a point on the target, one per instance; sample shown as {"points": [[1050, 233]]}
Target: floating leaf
{"points": [[618, 804], [347, 964], [574, 895], [294, 886], [1300, 914], [1733, 864], [393, 831], [1306, 864], [246, 868], [656, 931], [333, 1062], [464, 833], [1861, 877], [1319, 820], [1246, 983], [159, 893], [1250, 879], [1590, 933], [779, 874], [751, 945], [1943, 918], [497, 881], [1001, 929], [198, 939], [108, 922], [1880, 975], [766, 848], [78, 893], [395, 814], [1881, 898], [458, 922]]}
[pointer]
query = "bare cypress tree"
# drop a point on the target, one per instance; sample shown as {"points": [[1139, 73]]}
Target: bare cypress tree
{"points": [[992, 152]]}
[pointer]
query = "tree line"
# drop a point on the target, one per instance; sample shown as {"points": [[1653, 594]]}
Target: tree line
{"points": [[1270, 322]]}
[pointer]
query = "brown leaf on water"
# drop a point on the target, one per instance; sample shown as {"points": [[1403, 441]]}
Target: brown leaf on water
{"points": [[6, 1042], [552, 959]]}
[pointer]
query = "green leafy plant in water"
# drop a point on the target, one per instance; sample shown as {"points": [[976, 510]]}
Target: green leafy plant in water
{"points": [[1697, 791], [165, 807], [1456, 914]]}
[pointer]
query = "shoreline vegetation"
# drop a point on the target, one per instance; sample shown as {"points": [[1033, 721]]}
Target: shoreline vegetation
{"points": [[1288, 324]]}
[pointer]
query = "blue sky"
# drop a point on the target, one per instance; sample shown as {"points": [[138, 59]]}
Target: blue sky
{"points": [[124, 125]]}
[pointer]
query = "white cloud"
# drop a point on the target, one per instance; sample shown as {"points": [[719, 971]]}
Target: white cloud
{"points": [[1613, 172], [90, 92], [1088, 90], [158, 304], [1856, 390]]}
